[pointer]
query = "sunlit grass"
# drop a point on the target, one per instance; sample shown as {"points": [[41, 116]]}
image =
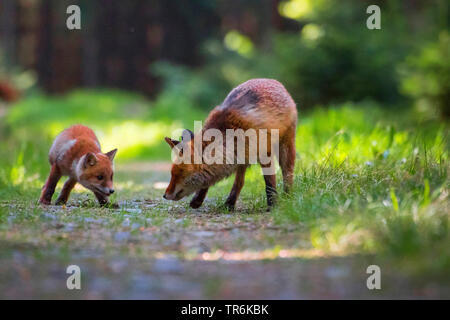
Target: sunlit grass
{"points": [[131, 137], [372, 182], [121, 120], [357, 134]]}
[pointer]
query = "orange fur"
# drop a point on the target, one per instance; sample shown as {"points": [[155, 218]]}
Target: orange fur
{"points": [[255, 104], [76, 153]]}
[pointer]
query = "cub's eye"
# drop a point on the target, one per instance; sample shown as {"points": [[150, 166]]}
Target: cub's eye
{"points": [[100, 177]]}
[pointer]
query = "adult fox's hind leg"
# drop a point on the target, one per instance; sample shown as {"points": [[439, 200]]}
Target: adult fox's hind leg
{"points": [[49, 188], [237, 187], [287, 159]]}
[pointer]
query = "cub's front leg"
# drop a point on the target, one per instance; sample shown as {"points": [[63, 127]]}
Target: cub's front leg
{"points": [[65, 192], [49, 188]]}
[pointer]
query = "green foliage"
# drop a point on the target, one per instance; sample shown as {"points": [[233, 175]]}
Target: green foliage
{"points": [[426, 76], [184, 91], [333, 59]]}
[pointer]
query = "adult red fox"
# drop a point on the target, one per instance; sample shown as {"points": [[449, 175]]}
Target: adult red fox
{"points": [[76, 153], [258, 104]]}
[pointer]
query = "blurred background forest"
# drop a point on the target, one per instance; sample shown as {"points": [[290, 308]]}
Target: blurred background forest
{"points": [[194, 52]]}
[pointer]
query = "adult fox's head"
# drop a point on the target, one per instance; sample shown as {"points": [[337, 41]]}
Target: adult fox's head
{"points": [[186, 176], [95, 172]]}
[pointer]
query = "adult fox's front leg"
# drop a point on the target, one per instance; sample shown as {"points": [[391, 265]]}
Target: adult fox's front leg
{"points": [[198, 198]]}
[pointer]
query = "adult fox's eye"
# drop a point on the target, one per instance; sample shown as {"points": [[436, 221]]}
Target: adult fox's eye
{"points": [[100, 177]]}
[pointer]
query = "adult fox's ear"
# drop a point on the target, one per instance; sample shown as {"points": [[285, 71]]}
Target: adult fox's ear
{"points": [[187, 135], [90, 160], [172, 143], [111, 154]]}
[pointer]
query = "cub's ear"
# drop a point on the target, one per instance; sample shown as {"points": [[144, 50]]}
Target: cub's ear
{"points": [[90, 160], [172, 143], [187, 135], [111, 154]]}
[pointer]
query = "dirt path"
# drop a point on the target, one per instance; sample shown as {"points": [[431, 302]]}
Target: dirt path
{"points": [[152, 248]]}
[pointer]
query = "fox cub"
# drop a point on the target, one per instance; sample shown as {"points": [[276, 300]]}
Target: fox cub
{"points": [[258, 104], [76, 153]]}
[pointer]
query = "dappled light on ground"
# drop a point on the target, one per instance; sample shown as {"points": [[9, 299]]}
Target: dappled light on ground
{"points": [[131, 137], [261, 255]]}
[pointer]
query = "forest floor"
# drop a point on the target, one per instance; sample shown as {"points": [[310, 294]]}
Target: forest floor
{"points": [[151, 248]]}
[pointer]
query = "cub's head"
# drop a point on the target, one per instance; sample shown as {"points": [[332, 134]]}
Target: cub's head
{"points": [[186, 176], [95, 172]]}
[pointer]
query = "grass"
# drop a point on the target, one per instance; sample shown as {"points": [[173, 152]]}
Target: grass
{"points": [[371, 181], [368, 180]]}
